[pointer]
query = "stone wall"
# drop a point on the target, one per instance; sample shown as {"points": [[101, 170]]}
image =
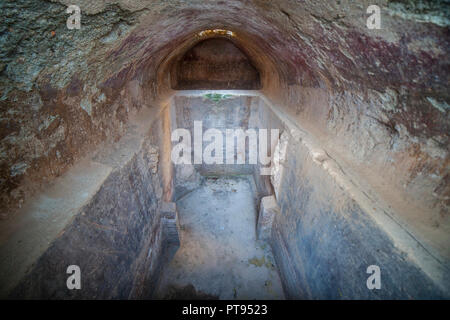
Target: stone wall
{"points": [[375, 100], [229, 110], [53, 107]]}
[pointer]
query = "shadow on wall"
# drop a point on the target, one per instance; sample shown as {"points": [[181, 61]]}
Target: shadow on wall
{"points": [[215, 64]]}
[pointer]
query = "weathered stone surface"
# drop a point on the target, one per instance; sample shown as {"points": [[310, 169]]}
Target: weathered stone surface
{"points": [[376, 101], [215, 64], [279, 160], [170, 223], [26, 238], [220, 256], [268, 210], [50, 108]]}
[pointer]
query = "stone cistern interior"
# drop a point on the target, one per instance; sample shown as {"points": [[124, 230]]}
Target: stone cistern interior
{"points": [[357, 122]]}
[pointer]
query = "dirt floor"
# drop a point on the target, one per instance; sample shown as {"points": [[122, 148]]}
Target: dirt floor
{"points": [[219, 256]]}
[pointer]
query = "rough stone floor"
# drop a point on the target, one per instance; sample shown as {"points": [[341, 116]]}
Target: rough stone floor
{"points": [[219, 256]]}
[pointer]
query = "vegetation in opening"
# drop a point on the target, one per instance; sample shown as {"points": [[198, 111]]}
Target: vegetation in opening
{"points": [[216, 97]]}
